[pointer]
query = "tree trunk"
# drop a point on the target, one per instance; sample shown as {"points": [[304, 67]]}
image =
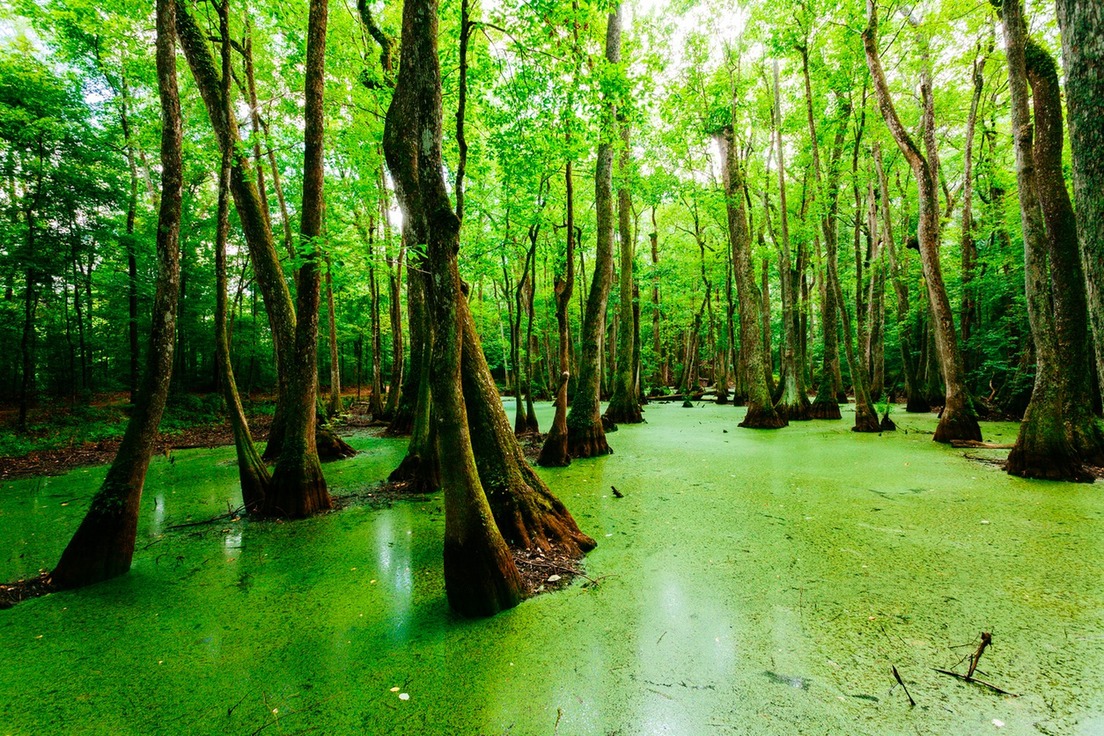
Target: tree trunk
{"points": [[375, 397], [826, 404], [970, 302], [760, 411], [394, 308], [915, 399], [624, 404], [793, 403], [298, 487], [252, 472], [262, 250], [335, 406], [103, 545], [480, 576], [1082, 26], [586, 435], [555, 452], [959, 420], [1042, 448]]}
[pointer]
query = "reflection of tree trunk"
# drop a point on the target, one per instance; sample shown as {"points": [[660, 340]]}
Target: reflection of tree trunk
{"points": [[959, 421], [760, 410], [586, 436], [103, 545], [1083, 53]]}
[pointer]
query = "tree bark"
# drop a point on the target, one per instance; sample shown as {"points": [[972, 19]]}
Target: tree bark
{"points": [[959, 420], [826, 403], [760, 410], [793, 403], [480, 576], [624, 405], [103, 545], [253, 475], [586, 435], [1042, 448], [298, 488], [1082, 25], [555, 451]]}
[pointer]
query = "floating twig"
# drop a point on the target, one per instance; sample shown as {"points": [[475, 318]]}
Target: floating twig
{"points": [[901, 682]]}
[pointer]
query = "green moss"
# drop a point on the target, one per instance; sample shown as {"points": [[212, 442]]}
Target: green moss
{"points": [[736, 564]]}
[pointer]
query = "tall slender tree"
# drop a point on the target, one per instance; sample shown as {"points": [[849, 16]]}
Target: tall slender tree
{"points": [[103, 545], [959, 419]]}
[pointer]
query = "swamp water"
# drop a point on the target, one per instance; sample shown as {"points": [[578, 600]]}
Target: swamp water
{"points": [[749, 582]]}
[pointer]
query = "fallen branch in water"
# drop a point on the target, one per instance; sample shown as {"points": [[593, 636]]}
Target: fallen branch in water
{"points": [[979, 445], [986, 641], [964, 678]]}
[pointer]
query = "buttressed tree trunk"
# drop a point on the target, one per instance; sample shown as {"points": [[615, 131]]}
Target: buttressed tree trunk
{"points": [[298, 488], [1042, 448], [554, 452], [480, 576], [103, 545], [1082, 26], [525, 511], [586, 435], [760, 410], [959, 420], [624, 405]]}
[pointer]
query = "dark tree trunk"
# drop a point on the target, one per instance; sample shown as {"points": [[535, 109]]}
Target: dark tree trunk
{"points": [[760, 410], [586, 435], [970, 303], [103, 545], [298, 488], [255, 227], [525, 511], [959, 420], [480, 576], [1082, 26]]}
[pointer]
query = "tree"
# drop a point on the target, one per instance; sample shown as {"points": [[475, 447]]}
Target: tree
{"points": [[959, 420], [480, 576], [1058, 430], [103, 544], [586, 434], [1082, 26], [761, 413]]}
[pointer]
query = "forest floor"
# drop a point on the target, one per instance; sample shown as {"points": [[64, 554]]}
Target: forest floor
{"points": [[745, 582]]}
